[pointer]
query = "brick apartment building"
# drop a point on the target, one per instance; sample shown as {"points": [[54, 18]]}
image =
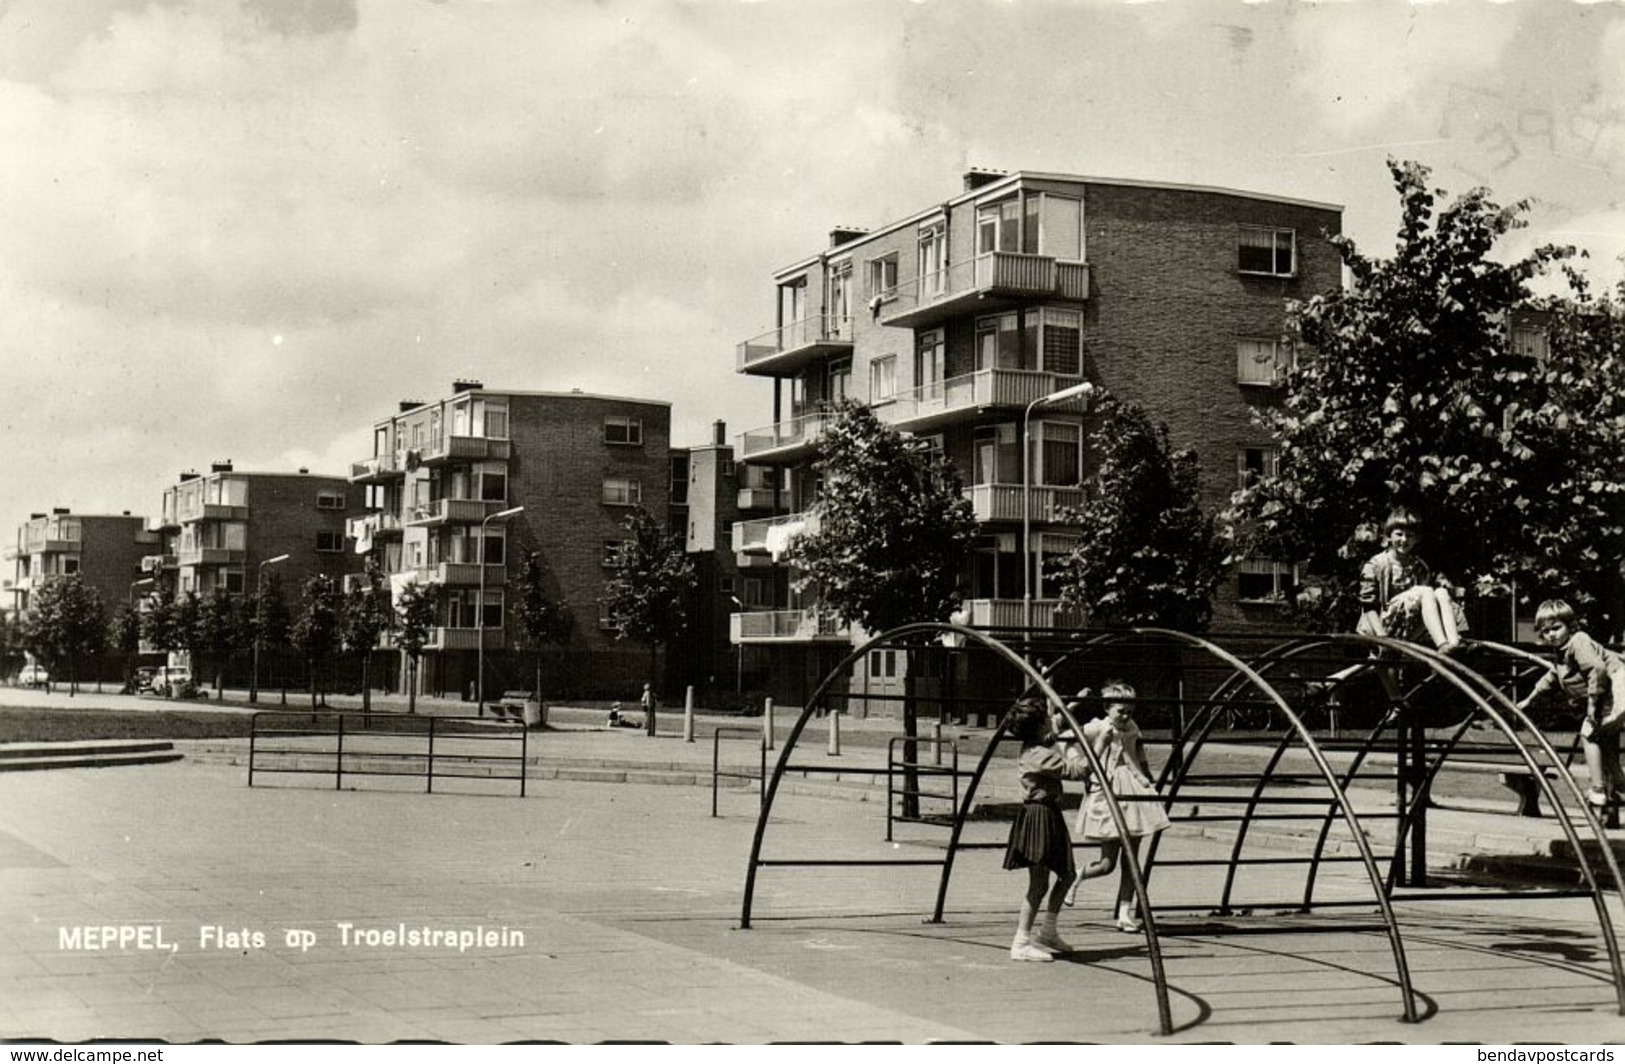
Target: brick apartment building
{"points": [[577, 463], [105, 550], [217, 528], [949, 322]]}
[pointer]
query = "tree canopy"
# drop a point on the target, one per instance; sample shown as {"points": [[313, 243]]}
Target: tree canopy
{"points": [[894, 529], [1411, 392], [648, 582], [1147, 553]]}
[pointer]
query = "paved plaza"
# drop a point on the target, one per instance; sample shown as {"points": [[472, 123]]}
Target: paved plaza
{"points": [[627, 897]]}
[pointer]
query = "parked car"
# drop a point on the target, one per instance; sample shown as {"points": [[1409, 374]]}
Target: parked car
{"points": [[141, 680], [33, 676], [173, 681]]}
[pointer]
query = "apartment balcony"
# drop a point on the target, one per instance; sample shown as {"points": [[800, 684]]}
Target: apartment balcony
{"points": [[786, 626], [757, 498], [463, 639], [1002, 502], [59, 546], [378, 525], [455, 450], [790, 347], [771, 535], [213, 511], [970, 396], [794, 438], [165, 523], [157, 563], [1011, 613], [991, 282], [212, 556], [462, 574], [378, 470], [451, 512]]}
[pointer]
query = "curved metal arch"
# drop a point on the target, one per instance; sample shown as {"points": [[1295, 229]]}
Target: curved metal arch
{"points": [[1038, 680], [1295, 724]]}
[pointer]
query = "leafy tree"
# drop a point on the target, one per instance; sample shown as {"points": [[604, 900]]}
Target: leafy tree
{"points": [[316, 629], [224, 629], [158, 621], [417, 611], [367, 615], [273, 626], [894, 527], [124, 637], [1412, 395], [893, 539], [65, 622], [1147, 555], [11, 644], [190, 633], [544, 620], [647, 584]]}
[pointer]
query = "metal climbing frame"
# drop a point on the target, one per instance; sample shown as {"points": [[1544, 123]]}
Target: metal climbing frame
{"points": [[1260, 683]]}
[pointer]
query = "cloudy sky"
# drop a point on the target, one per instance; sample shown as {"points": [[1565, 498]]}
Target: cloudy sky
{"points": [[245, 228]]}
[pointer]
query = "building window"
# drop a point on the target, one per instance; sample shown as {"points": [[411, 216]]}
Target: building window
{"points": [[932, 259], [329, 542], [1060, 454], [231, 581], [1061, 340], [1267, 251], [1263, 362], [1530, 341], [726, 585], [883, 664], [624, 431], [329, 501], [1047, 338], [756, 593], [929, 359], [621, 491], [494, 421], [883, 277], [493, 487], [604, 621], [612, 553], [1253, 463], [493, 609], [70, 564], [496, 547], [840, 379], [679, 479], [840, 294], [727, 467], [883, 379], [998, 456], [1260, 580], [998, 227]]}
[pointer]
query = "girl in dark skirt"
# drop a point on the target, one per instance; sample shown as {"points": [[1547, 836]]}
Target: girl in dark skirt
{"points": [[1038, 839]]}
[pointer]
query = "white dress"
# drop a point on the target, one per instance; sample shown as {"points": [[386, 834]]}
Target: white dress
{"points": [[1118, 752]]}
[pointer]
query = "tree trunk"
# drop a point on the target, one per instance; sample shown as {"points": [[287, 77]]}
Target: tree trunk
{"points": [[911, 728], [411, 684], [366, 685]]}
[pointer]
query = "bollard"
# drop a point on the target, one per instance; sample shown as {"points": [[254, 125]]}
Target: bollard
{"points": [[834, 733], [767, 724], [688, 715], [936, 742]]}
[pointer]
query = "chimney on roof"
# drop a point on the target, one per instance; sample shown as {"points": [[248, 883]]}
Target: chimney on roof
{"points": [[409, 404], [35, 517], [845, 234], [57, 511], [220, 467], [190, 474], [303, 471], [465, 384], [126, 513], [719, 432], [977, 176]]}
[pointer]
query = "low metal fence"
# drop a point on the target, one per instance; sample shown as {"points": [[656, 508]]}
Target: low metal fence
{"points": [[347, 745]]}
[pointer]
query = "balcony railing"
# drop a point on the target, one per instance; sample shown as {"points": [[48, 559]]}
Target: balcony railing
{"points": [[791, 346], [757, 498], [787, 626], [787, 438], [372, 526], [983, 282], [462, 574], [213, 511], [768, 533], [211, 556], [948, 399], [463, 639], [1011, 613], [1002, 502], [454, 449], [451, 512], [378, 468], [153, 563]]}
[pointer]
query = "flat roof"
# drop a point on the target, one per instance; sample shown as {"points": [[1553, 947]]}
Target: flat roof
{"points": [[1018, 176], [573, 394]]}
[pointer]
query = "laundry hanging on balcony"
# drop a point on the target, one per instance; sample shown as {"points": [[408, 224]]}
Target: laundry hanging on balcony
{"points": [[779, 537]]}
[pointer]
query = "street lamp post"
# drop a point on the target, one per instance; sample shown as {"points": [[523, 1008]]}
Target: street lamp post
{"points": [[259, 607], [1076, 391], [479, 610]]}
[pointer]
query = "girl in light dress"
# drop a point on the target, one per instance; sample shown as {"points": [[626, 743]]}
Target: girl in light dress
{"points": [[1115, 739]]}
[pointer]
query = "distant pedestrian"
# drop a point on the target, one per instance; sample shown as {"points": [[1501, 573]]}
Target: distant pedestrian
{"points": [[1399, 597], [1115, 740], [647, 701], [1593, 677], [1038, 839]]}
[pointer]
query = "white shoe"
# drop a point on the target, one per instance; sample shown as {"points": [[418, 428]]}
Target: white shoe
{"points": [[1027, 951]]}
